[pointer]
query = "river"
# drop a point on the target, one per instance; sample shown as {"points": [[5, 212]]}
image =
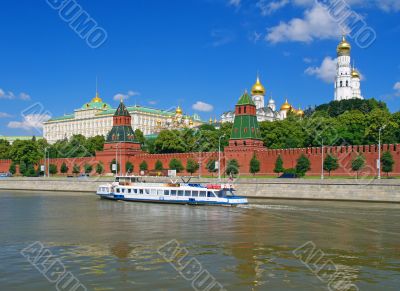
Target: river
{"points": [[267, 245]]}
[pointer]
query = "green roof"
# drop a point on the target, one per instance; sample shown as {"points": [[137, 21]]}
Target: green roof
{"points": [[122, 133], [245, 99], [245, 127], [121, 110]]}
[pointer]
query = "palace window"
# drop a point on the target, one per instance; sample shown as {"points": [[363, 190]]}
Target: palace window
{"points": [[341, 83]]}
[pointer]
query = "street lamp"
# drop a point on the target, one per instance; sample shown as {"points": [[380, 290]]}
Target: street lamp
{"points": [[322, 163], [44, 162], [219, 156], [379, 151]]}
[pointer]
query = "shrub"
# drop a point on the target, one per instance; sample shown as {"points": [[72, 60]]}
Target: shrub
{"points": [[176, 164]]}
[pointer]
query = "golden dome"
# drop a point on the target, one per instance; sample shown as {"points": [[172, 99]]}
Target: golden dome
{"points": [[190, 122], [355, 74], [97, 99], [178, 110], [344, 48], [158, 122], [300, 112], [210, 121], [258, 88], [286, 106]]}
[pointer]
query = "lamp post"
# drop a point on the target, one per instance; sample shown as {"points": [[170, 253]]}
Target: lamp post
{"points": [[44, 162], [379, 151], [219, 157], [322, 161]]}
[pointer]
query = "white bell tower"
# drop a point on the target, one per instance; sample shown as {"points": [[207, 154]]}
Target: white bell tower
{"points": [[343, 80]]}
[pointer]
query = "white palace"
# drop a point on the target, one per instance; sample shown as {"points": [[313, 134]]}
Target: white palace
{"points": [[96, 118]]}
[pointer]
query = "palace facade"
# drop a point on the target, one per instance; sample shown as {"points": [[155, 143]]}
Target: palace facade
{"points": [[96, 118]]}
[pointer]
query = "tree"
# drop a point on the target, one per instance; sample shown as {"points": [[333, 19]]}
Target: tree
{"points": [[53, 169], [93, 144], [176, 164], [211, 166], [4, 149], [100, 168], [192, 166], [331, 163], [232, 167], [87, 168], [303, 165], [22, 168], [13, 168], [358, 163], [279, 165], [26, 151], [129, 167], [64, 168], [140, 136], [254, 165], [143, 166], [169, 141], [76, 169], [158, 166], [387, 162]]}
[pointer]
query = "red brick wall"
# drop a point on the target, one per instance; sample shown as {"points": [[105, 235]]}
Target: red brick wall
{"points": [[267, 158]]}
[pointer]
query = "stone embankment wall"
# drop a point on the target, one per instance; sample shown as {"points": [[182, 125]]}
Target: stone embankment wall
{"points": [[347, 190]]}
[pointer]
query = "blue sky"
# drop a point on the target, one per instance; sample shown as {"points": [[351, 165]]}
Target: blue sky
{"points": [[164, 53]]}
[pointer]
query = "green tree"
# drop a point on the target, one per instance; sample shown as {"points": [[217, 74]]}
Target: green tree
{"points": [[331, 163], [100, 168], [169, 141], [211, 166], [143, 166], [192, 166], [358, 163], [64, 168], [22, 168], [279, 165], [303, 165], [387, 162], [254, 165], [53, 169], [87, 168], [26, 151], [176, 164], [232, 167], [4, 149], [76, 169], [129, 167], [93, 144], [111, 166], [140, 136], [158, 166], [13, 168]]}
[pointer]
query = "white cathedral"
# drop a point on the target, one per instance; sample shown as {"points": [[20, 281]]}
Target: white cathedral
{"points": [[347, 81], [264, 112]]}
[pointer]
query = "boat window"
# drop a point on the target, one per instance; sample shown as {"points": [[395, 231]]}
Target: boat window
{"points": [[141, 191], [135, 191], [195, 193], [147, 191], [166, 192], [118, 190], [153, 192], [187, 193], [129, 190], [219, 194], [203, 193], [173, 192], [180, 193], [210, 194], [161, 192]]}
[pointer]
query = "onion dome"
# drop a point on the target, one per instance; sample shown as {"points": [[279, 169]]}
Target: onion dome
{"points": [[286, 106], [190, 122], [271, 101], [300, 112], [258, 88], [344, 48], [355, 74], [158, 122], [97, 99], [210, 121], [96, 103], [178, 110]]}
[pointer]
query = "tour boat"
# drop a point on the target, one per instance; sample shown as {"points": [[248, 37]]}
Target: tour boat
{"points": [[135, 189]]}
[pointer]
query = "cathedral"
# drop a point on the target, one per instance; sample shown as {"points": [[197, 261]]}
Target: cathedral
{"points": [[347, 81], [264, 112]]}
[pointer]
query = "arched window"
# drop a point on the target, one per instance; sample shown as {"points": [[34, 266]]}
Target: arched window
{"points": [[347, 83], [341, 83]]}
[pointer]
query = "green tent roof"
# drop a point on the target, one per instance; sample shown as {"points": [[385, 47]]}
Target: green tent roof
{"points": [[245, 99]]}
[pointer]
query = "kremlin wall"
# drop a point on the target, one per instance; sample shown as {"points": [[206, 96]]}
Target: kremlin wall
{"points": [[245, 142]]}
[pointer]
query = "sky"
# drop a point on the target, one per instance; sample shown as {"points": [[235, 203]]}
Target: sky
{"points": [[200, 54]]}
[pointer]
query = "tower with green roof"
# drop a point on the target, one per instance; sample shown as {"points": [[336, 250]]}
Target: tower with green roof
{"points": [[245, 131]]}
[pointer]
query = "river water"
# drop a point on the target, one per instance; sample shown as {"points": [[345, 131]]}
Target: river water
{"points": [[128, 246]]}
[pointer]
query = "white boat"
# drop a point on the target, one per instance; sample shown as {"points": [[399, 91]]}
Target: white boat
{"points": [[133, 188]]}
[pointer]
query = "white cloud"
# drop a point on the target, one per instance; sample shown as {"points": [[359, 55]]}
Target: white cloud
{"points": [[325, 72], [11, 96], [269, 7], [4, 115], [130, 93], [221, 37], [316, 24], [31, 121], [235, 3], [202, 106], [397, 88]]}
